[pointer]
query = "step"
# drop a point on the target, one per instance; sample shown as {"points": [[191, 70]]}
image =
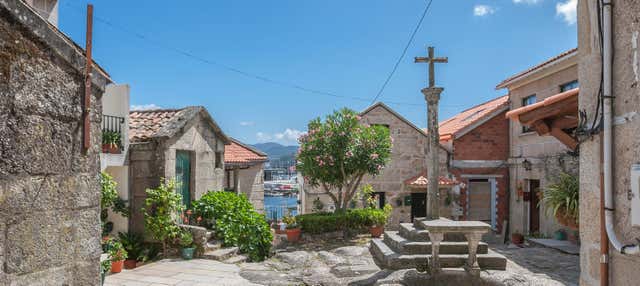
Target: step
{"points": [[212, 245], [410, 232], [392, 260], [403, 246], [236, 259], [221, 254]]}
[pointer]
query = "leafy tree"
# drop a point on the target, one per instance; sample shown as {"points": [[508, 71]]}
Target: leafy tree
{"points": [[336, 154], [161, 207]]}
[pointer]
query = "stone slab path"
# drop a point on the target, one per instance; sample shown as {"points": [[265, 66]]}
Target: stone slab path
{"points": [[196, 272], [543, 264], [562, 245]]}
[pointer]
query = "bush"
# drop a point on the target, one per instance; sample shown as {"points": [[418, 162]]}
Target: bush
{"points": [[355, 219], [236, 222], [161, 206]]}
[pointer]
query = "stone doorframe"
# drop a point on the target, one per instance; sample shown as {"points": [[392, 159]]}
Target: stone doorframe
{"points": [[494, 195]]}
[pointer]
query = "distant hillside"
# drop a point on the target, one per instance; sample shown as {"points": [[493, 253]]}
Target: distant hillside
{"points": [[278, 152]]}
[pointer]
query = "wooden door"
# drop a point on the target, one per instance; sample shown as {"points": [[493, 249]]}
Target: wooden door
{"points": [[183, 176], [418, 205], [534, 209], [479, 192]]}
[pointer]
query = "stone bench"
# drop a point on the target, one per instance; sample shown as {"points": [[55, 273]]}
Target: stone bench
{"points": [[472, 230]]}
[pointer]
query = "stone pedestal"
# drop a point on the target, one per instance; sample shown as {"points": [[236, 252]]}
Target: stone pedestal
{"points": [[432, 96]]}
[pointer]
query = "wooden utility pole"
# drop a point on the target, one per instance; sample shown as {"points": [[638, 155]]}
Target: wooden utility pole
{"points": [[432, 96], [86, 112]]}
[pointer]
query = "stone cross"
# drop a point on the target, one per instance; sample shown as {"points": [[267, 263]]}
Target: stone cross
{"points": [[432, 96], [431, 59]]}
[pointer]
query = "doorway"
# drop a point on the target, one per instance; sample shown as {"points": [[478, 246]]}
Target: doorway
{"points": [[480, 200], [534, 208], [183, 176], [418, 205]]}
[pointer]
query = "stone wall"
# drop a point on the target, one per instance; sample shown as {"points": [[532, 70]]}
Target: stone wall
{"points": [[623, 269], [251, 183], [408, 159], [49, 189]]}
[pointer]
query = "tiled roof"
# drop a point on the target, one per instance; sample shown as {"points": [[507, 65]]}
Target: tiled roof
{"points": [[239, 153], [145, 125], [546, 102], [450, 127], [505, 82], [421, 181]]}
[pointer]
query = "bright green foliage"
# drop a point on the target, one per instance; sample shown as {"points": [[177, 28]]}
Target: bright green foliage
{"points": [[353, 219], [337, 153], [161, 206], [236, 222], [115, 249], [112, 138], [185, 239], [290, 221], [133, 243], [110, 200], [563, 195]]}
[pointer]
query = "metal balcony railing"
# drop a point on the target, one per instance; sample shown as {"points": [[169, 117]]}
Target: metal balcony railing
{"points": [[113, 124]]}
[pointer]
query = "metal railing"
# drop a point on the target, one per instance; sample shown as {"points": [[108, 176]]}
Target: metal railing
{"points": [[114, 124]]}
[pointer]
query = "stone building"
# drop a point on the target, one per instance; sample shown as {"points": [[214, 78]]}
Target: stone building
{"points": [[183, 144], [402, 183], [622, 268], [49, 188], [535, 161], [478, 141], [244, 172]]}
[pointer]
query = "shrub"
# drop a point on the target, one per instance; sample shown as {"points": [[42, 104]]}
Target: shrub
{"points": [[110, 200], [161, 205], [355, 219], [133, 244], [236, 222]]}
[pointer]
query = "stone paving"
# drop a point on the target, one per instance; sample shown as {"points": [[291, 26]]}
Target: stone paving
{"points": [[344, 263]]}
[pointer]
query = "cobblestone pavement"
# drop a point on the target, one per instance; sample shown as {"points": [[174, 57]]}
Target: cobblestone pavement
{"points": [[545, 264], [196, 272]]}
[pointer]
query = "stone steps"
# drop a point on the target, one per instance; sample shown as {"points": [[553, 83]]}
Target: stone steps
{"points": [[212, 245], [389, 259], [236, 259], [401, 245], [221, 254], [410, 232]]}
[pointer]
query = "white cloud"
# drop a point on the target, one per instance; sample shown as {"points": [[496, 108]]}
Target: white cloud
{"points": [[247, 123], [568, 11], [145, 107], [529, 2], [483, 10], [288, 136]]}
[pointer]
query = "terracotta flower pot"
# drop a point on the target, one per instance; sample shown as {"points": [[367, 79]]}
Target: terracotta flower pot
{"points": [[517, 238], [130, 264], [376, 231], [565, 220], [293, 235], [114, 149], [105, 148], [116, 266]]}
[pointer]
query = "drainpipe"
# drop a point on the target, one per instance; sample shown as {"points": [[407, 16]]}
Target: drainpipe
{"points": [[608, 136]]}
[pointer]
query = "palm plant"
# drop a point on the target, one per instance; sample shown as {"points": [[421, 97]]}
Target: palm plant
{"points": [[561, 199]]}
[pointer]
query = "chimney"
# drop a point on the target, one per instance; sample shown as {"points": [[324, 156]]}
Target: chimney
{"points": [[48, 9]]}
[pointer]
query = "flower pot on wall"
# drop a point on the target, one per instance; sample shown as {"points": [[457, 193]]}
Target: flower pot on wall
{"points": [[376, 231], [293, 235], [116, 266], [130, 264]]}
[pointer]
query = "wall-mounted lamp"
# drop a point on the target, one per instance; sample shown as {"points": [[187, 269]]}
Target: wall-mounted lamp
{"points": [[526, 164]]}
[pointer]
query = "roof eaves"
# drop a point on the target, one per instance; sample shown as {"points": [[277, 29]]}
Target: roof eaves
{"points": [[539, 67]]}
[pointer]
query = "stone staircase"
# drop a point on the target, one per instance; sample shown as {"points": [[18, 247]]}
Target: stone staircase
{"points": [[410, 247], [213, 250]]}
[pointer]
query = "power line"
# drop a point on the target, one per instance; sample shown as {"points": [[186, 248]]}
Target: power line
{"points": [[404, 52]]}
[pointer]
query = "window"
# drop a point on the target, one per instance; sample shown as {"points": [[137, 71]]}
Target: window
{"points": [[569, 86], [219, 159], [529, 100]]}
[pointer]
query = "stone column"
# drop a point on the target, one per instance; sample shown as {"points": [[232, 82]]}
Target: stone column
{"points": [[436, 238], [472, 266], [432, 96]]}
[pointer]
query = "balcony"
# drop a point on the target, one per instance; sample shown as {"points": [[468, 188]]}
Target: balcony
{"points": [[115, 126], [112, 134]]}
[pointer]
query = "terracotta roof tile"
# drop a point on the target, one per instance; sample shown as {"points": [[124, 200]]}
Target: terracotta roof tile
{"points": [[421, 181], [145, 124], [504, 83], [239, 153], [546, 102], [453, 125]]}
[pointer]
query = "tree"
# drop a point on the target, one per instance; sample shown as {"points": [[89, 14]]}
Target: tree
{"points": [[336, 154]]}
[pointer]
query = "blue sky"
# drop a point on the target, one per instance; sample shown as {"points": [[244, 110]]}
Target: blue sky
{"points": [[341, 47]]}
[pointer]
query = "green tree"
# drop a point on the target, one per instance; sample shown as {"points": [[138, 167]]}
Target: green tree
{"points": [[336, 154], [161, 206]]}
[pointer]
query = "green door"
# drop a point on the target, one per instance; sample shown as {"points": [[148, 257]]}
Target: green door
{"points": [[183, 176]]}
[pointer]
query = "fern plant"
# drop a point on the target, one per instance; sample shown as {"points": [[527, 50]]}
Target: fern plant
{"points": [[562, 197]]}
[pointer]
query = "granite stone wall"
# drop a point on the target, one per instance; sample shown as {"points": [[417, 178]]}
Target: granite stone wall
{"points": [[49, 189]]}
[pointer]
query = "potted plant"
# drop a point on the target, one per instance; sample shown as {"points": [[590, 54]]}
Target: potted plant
{"points": [[378, 219], [133, 244], [186, 244], [293, 230], [561, 200], [517, 238], [105, 265], [111, 142], [117, 255]]}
